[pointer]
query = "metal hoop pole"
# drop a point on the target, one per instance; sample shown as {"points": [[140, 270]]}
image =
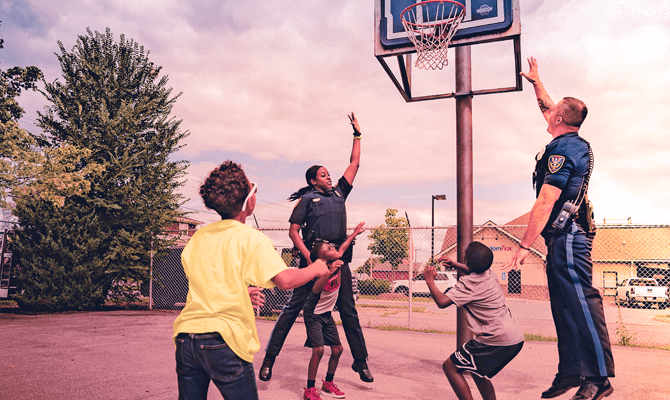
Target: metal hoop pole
{"points": [[464, 175]]}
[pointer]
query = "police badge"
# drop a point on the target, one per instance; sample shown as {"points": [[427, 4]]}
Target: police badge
{"points": [[555, 163]]}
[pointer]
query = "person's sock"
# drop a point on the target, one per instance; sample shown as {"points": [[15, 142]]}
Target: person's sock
{"points": [[310, 384], [329, 377]]}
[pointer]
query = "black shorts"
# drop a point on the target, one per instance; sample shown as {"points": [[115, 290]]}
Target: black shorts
{"points": [[321, 330], [484, 360]]}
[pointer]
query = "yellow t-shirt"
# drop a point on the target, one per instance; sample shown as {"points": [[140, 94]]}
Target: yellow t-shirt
{"points": [[220, 261]]}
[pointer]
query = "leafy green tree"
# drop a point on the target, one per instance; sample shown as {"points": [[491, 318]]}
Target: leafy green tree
{"points": [[113, 103], [389, 243], [27, 169], [56, 249], [12, 82], [29, 172]]}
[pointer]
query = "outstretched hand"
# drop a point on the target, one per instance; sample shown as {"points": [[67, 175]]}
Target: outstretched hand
{"points": [[533, 76], [515, 261], [360, 228], [354, 124]]}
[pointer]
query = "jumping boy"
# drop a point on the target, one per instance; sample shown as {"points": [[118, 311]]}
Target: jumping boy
{"points": [[498, 338], [319, 322]]}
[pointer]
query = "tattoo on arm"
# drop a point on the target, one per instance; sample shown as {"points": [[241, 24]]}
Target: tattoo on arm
{"points": [[543, 105]]}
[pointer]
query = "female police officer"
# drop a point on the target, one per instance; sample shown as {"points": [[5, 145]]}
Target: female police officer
{"points": [[321, 215]]}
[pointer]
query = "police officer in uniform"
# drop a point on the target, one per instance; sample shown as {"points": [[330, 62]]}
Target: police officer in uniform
{"points": [[321, 215], [562, 215]]}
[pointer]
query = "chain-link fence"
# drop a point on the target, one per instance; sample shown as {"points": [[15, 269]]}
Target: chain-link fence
{"points": [[388, 262]]}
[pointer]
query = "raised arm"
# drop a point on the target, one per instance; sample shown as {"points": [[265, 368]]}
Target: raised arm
{"points": [[440, 298], [292, 278], [355, 159], [543, 100], [449, 263], [345, 245]]}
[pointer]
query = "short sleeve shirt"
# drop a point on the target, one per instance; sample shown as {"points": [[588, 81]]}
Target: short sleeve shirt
{"points": [[324, 214], [563, 163], [487, 314], [220, 261]]}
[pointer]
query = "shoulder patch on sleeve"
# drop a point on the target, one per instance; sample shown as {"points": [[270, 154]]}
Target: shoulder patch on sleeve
{"points": [[316, 200], [555, 163]]}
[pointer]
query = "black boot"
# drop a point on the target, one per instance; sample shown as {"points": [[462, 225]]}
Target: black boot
{"points": [[361, 367], [265, 374], [561, 384]]}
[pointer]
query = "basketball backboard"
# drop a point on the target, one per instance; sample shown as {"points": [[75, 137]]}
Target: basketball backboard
{"points": [[485, 21]]}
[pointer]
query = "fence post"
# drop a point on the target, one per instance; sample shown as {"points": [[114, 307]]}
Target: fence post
{"points": [[151, 276], [411, 274]]}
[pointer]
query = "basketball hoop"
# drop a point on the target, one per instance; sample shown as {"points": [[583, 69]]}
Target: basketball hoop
{"points": [[430, 25]]}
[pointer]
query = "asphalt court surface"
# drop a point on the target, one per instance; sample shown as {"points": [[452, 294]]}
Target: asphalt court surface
{"points": [[130, 355]]}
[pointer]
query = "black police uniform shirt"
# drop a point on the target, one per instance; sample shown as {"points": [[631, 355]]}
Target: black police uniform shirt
{"points": [[563, 163], [324, 216]]}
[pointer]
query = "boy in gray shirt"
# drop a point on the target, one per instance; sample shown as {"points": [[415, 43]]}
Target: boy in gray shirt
{"points": [[498, 338]]}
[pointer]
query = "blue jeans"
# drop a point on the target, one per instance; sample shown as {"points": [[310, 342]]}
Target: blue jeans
{"points": [[204, 357]]}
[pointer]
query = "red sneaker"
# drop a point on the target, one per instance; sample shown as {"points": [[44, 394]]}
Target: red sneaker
{"points": [[329, 389], [311, 394]]}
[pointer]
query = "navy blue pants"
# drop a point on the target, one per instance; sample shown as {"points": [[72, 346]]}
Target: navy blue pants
{"points": [[345, 305], [577, 307]]}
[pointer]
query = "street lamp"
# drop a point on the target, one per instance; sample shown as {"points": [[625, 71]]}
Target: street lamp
{"points": [[432, 223]]}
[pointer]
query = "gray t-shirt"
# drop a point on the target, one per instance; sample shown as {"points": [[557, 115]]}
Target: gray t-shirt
{"points": [[487, 314]]}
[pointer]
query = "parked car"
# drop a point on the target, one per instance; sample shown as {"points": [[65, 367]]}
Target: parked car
{"points": [[444, 280], [644, 290]]}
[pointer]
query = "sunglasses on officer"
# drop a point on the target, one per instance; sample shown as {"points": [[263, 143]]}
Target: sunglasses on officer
{"points": [[254, 189]]}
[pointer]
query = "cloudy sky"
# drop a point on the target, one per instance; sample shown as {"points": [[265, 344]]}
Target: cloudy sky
{"points": [[269, 84]]}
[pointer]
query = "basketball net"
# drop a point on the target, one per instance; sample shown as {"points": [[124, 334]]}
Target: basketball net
{"points": [[430, 25]]}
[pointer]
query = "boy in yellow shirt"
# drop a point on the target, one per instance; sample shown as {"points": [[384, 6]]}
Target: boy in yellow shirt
{"points": [[215, 334]]}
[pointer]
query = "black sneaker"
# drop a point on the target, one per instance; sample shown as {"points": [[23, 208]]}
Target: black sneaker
{"points": [[593, 391], [265, 374], [561, 384]]}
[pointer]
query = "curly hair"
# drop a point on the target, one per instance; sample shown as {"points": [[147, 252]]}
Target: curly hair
{"points": [[225, 189], [478, 257]]}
